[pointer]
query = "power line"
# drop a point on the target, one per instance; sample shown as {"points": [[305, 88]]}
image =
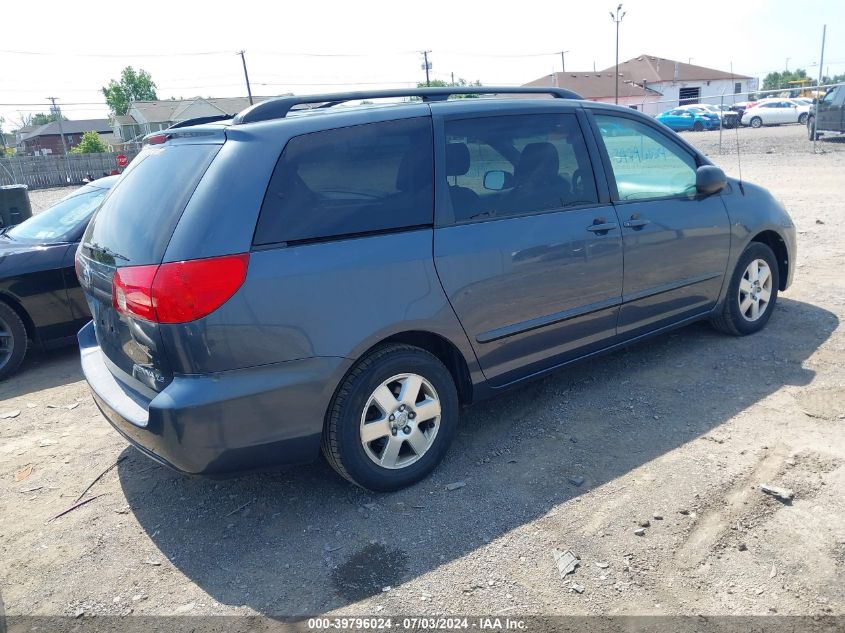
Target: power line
{"points": [[111, 55], [44, 103]]}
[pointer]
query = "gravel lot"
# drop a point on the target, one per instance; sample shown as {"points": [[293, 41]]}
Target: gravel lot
{"points": [[679, 432]]}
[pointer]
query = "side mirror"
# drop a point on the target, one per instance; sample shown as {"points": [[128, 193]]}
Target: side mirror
{"points": [[709, 179], [497, 180]]}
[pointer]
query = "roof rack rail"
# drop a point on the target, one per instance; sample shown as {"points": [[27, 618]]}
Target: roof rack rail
{"points": [[200, 120], [279, 108]]}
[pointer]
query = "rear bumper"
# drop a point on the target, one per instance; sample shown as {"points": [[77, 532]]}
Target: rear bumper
{"points": [[227, 422]]}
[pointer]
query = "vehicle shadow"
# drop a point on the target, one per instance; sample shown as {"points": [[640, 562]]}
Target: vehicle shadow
{"points": [[43, 370], [303, 541]]}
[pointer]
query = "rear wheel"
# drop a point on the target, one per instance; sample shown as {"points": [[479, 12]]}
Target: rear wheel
{"points": [[756, 122], [13, 341], [392, 419], [752, 293]]}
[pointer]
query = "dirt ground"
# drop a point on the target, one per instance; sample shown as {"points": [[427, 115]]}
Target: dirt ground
{"points": [[679, 432]]}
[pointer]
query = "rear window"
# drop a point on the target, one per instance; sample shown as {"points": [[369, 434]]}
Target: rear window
{"points": [[136, 221], [349, 181]]}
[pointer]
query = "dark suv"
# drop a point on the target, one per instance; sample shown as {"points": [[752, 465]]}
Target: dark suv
{"points": [[305, 277], [827, 114]]}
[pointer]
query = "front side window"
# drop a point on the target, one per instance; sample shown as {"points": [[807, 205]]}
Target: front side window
{"points": [[646, 164], [510, 165], [349, 181]]}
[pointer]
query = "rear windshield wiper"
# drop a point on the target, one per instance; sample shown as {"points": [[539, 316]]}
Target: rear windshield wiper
{"points": [[105, 250]]}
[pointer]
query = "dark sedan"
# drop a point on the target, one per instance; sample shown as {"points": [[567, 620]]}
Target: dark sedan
{"points": [[40, 297]]}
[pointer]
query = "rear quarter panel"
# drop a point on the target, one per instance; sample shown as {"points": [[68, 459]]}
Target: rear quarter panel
{"points": [[336, 298]]}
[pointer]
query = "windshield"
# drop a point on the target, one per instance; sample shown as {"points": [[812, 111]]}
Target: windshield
{"points": [[62, 221]]}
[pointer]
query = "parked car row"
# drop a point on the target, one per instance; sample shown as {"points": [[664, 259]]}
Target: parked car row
{"points": [[700, 117]]}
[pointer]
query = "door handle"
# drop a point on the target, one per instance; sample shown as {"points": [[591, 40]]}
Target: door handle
{"points": [[635, 223], [602, 227]]}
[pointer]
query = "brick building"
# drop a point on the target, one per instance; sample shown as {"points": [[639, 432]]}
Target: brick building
{"points": [[46, 139]]}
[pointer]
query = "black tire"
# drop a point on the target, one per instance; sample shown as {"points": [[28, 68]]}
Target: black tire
{"points": [[729, 318], [811, 129], [13, 341], [802, 118], [756, 122], [698, 126], [341, 442]]}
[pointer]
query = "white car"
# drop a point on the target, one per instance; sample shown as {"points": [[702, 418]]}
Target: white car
{"points": [[772, 112], [803, 109]]}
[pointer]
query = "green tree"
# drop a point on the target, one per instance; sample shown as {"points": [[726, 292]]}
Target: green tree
{"points": [[836, 79], [777, 81], [43, 119], [132, 86], [460, 83], [90, 144]]}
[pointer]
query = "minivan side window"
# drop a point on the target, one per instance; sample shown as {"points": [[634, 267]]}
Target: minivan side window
{"points": [[510, 165], [646, 163], [350, 181]]}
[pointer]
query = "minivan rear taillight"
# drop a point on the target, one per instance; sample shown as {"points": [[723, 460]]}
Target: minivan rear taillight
{"points": [[177, 292]]}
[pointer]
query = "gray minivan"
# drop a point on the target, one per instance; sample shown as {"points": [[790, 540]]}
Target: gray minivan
{"points": [[318, 275]]}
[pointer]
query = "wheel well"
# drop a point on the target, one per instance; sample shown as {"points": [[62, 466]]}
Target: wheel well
{"points": [[776, 243], [18, 308], [446, 352]]}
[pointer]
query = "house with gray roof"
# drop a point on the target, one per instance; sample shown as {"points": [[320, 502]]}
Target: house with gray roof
{"points": [[47, 139], [146, 117]]}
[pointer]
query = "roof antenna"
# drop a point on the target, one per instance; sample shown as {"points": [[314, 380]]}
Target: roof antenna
{"points": [[736, 131]]}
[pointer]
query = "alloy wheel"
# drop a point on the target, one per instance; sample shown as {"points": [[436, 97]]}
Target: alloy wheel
{"points": [[400, 421], [7, 343], [755, 290]]}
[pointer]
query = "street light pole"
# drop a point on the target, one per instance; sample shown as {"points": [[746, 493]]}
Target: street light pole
{"points": [[617, 17], [563, 61]]}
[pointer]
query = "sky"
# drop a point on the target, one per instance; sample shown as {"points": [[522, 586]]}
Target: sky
{"points": [[74, 48]]}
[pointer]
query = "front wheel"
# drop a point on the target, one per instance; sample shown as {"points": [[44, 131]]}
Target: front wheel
{"points": [[752, 293], [802, 119], [698, 126], [13, 341], [756, 122], [811, 129], [392, 418]]}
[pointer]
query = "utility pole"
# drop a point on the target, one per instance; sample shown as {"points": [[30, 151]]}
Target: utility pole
{"points": [[817, 99], [55, 110], [246, 75], [426, 67], [453, 78], [786, 67], [563, 61], [58, 112], [617, 18]]}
